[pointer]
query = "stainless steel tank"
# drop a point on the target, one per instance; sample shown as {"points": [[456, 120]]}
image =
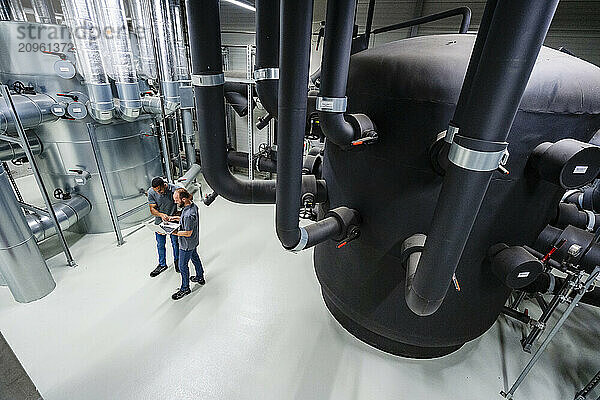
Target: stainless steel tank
{"points": [[130, 150]]}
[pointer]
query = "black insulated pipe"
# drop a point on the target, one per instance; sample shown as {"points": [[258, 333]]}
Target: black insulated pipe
{"points": [[240, 160], [440, 158], [515, 36], [207, 69], [267, 54], [331, 103], [294, 59], [569, 214]]}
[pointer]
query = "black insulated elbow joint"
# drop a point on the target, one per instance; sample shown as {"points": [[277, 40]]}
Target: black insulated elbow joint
{"points": [[514, 266], [568, 163]]}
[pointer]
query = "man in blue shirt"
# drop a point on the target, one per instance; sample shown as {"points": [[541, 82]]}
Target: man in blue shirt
{"points": [[189, 238], [162, 206]]}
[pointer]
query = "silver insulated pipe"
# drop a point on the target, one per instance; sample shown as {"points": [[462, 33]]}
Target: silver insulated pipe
{"points": [[185, 84], [164, 35], [116, 51], [21, 263], [68, 212], [11, 10], [43, 11], [33, 110], [82, 23], [146, 63]]}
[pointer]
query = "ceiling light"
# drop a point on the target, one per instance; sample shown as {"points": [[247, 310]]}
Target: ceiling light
{"points": [[241, 4]]}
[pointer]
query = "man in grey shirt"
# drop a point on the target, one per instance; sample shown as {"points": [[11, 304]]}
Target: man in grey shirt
{"points": [[162, 206], [189, 238]]}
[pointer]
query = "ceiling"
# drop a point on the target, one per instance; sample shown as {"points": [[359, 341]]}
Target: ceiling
{"points": [[576, 24]]}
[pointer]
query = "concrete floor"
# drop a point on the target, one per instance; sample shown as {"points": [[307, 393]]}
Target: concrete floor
{"points": [[257, 330]]}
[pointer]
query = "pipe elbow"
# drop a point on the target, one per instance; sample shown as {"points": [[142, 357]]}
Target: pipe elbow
{"points": [[267, 93], [289, 238], [419, 304], [337, 129], [411, 252]]}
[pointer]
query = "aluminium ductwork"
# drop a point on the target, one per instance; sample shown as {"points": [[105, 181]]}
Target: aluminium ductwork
{"points": [[33, 110], [83, 24], [115, 47], [21, 262], [11, 10], [146, 62], [11, 151], [68, 212], [164, 35], [43, 11]]}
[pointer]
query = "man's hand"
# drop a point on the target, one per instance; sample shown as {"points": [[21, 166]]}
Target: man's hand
{"points": [[164, 217], [174, 218]]}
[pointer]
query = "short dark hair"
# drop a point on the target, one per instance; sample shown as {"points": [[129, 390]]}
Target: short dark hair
{"points": [[184, 194], [157, 182]]}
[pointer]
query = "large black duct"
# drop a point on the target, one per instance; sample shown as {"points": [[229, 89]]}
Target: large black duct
{"points": [[410, 89]]}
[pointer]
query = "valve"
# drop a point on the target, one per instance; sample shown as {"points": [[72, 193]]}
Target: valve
{"points": [[307, 211], [59, 194], [353, 233]]}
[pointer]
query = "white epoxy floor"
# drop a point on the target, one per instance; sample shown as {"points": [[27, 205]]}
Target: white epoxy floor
{"points": [[257, 330]]}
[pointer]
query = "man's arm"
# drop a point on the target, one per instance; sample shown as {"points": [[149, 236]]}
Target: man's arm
{"points": [[183, 233], [157, 213]]}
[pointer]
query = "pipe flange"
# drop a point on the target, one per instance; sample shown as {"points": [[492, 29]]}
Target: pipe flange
{"points": [[332, 104], [264, 74], [208, 80]]}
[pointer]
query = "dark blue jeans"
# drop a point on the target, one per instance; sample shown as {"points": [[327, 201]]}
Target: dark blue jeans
{"points": [[184, 258], [161, 241]]}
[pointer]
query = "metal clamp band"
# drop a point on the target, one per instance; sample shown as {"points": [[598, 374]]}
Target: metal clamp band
{"points": [[476, 160], [303, 241], [568, 193], [591, 220], [266, 73], [208, 80], [332, 104], [450, 133]]}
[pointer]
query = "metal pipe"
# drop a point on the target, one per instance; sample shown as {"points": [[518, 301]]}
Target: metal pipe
{"points": [[33, 110], [464, 24], [12, 151], [513, 42], [164, 43], [43, 11], [189, 136], [82, 22], [116, 50], [11, 10], [21, 263], [24, 142], [140, 11], [68, 212]]}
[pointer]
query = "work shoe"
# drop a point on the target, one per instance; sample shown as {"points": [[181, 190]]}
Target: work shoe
{"points": [[176, 263], [158, 270], [200, 280], [180, 293]]}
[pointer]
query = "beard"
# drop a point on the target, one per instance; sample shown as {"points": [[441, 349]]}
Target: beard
{"points": [[181, 204]]}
